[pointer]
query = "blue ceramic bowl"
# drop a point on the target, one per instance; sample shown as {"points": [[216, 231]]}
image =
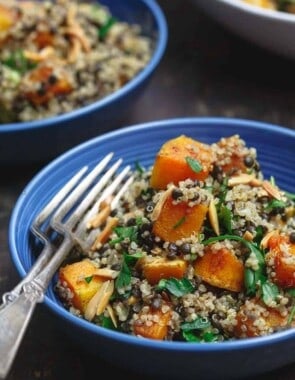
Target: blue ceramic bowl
{"points": [[41, 140], [172, 360]]}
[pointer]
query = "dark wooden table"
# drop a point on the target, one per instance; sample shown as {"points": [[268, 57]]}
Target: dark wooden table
{"points": [[206, 71]]}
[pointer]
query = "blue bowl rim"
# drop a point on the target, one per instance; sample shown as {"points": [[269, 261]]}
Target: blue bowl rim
{"points": [[244, 344], [158, 53]]}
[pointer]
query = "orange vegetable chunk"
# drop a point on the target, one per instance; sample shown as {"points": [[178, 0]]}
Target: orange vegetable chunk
{"points": [[170, 165], [221, 268], [155, 328], [160, 268], [75, 276], [235, 155], [51, 85], [254, 310], [282, 254], [179, 221], [7, 17]]}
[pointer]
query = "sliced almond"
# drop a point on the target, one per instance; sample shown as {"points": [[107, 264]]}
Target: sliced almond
{"points": [[105, 233], [241, 179], [264, 241], [157, 210], [112, 315], [106, 273], [271, 190], [99, 301], [213, 217], [44, 54], [99, 218]]}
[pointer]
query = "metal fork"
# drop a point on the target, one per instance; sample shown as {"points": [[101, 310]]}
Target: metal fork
{"points": [[67, 214]]}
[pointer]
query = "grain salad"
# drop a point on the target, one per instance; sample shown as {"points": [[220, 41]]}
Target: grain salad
{"points": [[57, 56], [200, 249]]}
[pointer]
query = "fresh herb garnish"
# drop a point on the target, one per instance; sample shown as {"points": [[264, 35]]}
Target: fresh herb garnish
{"points": [[275, 204], [199, 330], [194, 164], [124, 277], [104, 29], [179, 222], [18, 62], [123, 233], [176, 287], [225, 218], [139, 168], [88, 279]]}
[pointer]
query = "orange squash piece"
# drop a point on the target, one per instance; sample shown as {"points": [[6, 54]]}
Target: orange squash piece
{"points": [[43, 39], [160, 268], [43, 75], [236, 155], [221, 268], [170, 165], [179, 221], [249, 314], [75, 276], [282, 254], [7, 17], [153, 329]]}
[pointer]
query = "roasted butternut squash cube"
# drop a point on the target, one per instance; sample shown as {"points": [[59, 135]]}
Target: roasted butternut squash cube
{"points": [[50, 85], [159, 268], [281, 256], [221, 268], [179, 221], [234, 155], [255, 319], [79, 278], [7, 17], [155, 326], [171, 164]]}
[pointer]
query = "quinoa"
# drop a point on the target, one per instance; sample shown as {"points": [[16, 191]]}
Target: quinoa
{"points": [[57, 56], [246, 290]]}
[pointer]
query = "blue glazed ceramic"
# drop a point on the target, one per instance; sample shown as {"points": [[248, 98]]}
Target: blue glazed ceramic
{"points": [[172, 360], [44, 139]]}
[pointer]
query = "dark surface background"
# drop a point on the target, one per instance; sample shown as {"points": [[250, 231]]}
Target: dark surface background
{"points": [[206, 71]]}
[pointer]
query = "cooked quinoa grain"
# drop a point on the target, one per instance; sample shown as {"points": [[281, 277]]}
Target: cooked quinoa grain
{"points": [[60, 55], [206, 256]]}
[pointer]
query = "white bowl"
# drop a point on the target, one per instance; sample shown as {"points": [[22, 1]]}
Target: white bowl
{"points": [[269, 29]]}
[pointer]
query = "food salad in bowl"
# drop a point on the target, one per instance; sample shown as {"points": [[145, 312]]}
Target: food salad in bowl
{"points": [[66, 64], [59, 56], [196, 263], [265, 23]]}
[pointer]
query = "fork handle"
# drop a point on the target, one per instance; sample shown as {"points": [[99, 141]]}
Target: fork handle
{"points": [[14, 319]]}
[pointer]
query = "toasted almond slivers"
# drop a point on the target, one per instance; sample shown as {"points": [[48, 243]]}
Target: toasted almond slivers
{"points": [[104, 300], [264, 241], [99, 301], [44, 54], [105, 233], [213, 217], [76, 31], [99, 218], [112, 315], [157, 210], [271, 190], [75, 50], [241, 179], [106, 273]]}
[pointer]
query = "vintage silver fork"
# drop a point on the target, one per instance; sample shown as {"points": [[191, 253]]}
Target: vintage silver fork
{"points": [[67, 213]]}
